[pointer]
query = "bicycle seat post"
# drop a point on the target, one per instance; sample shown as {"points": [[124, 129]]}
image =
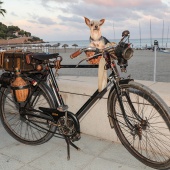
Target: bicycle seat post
{"points": [[53, 84]]}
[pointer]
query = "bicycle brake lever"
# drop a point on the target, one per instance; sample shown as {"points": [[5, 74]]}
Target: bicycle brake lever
{"points": [[81, 61]]}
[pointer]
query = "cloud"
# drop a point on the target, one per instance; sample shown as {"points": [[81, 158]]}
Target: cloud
{"points": [[41, 20], [14, 14], [124, 14], [138, 4], [46, 21], [73, 18], [53, 4], [60, 1], [65, 17], [117, 10]]}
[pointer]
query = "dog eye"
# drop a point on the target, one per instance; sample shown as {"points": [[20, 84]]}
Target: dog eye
{"points": [[92, 24]]}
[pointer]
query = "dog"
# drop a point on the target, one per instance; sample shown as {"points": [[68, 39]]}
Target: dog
{"points": [[100, 42], [96, 38]]}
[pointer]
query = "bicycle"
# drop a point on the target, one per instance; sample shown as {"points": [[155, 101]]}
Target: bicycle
{"points": [[139, 116]]}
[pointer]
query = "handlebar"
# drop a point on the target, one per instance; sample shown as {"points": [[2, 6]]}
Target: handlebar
{"points": [[89, 49], [75, 54], [125, 34], [121, 52]]}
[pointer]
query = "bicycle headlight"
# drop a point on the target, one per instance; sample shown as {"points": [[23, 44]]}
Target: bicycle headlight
{"points": [[123, 53], [127, 53]]}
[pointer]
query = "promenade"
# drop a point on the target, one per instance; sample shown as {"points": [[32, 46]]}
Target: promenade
{"points": [[97, 152]]}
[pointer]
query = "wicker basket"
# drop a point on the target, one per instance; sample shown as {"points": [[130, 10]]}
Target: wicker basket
{"points": [[93, 60], [20, 88]]}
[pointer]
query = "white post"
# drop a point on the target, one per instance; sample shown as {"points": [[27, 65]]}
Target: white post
{"points": [[155, 47], [154, 78]]}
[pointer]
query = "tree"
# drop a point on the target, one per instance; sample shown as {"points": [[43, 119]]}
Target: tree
{"points": [[2, 11], [13, 28], [21, 32], [28, 34]]}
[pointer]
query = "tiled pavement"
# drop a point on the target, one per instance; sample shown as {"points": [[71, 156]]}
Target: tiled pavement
{"points": [[95, 154]]}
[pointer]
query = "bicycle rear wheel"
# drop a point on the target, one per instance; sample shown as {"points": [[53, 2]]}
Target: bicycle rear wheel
{"points": [[27, 129], [149, 139]]}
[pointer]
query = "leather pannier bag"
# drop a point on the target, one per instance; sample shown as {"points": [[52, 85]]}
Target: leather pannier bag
{"points": [[11, 60]]}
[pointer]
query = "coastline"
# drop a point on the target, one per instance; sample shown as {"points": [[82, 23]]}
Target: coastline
{"points": [[17, 41], [23, 41]]}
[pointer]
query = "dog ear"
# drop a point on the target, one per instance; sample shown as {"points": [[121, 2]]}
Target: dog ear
{"points": [[87, 21], [102, 21]]}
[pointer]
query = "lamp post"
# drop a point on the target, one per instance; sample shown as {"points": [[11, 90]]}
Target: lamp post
{"points": [[155, 48]]}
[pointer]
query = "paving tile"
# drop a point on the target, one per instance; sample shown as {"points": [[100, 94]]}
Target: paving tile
{"points": [[26, 167], [6, 139], [88, 144], [92, 145], [58, 141], [118, 154], [57, 160], [7, 163], [101, 164], [27, 153]]}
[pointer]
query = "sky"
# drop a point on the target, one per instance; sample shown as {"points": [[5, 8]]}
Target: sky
{"points": [[57, 20]]}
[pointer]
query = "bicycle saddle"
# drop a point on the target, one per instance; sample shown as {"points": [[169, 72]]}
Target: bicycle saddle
{"points": [[44, 56]]}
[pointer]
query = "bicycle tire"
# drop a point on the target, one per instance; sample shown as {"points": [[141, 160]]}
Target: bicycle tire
{"points": [[21, 129], [152, 145]]}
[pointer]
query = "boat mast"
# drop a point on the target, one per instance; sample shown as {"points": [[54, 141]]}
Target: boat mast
{"points": [[150, 33], [167, 37], [162, 33], [140, 34], [114, 31]]}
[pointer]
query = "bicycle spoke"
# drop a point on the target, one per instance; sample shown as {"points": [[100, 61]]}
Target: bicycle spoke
{"points": [[149, 138], [19, 125]]}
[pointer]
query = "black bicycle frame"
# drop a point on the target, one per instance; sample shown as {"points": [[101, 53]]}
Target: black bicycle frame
{"points": [[112, 84], [97, 95]]}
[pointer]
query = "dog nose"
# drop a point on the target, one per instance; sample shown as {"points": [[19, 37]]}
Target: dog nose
{"points": [[96, 26]]}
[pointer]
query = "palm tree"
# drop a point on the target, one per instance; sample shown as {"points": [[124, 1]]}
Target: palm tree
{"points": [[2, 11]]}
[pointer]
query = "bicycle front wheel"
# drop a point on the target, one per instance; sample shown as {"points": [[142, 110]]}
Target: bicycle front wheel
{"points": [[144, 125], [27, 129]]}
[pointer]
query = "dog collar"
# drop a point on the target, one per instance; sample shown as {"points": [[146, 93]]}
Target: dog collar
{"points": [[91, 39]]}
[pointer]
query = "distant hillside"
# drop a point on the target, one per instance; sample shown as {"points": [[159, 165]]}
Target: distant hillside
{"points": [[9, 33]]}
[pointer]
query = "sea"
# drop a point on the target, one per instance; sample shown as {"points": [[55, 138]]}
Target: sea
{"points": [[136, 43]]}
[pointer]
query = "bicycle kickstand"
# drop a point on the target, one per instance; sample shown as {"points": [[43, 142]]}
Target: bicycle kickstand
{"points": [[68, 146]]}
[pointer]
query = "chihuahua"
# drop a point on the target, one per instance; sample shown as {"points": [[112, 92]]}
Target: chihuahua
{"points": [[98, 41], [96, 38]]}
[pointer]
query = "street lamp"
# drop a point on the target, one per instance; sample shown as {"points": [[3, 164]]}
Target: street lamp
{"points": [[155, 48]]}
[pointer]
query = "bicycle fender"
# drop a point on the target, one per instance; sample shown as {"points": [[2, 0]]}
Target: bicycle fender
{"points": [[112, 91], [5, 79]]}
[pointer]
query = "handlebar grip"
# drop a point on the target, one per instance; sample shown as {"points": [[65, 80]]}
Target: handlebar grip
{"points": [[75, 54]]}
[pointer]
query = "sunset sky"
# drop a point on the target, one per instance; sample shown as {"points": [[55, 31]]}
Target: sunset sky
{"points": [[54, 20]]}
